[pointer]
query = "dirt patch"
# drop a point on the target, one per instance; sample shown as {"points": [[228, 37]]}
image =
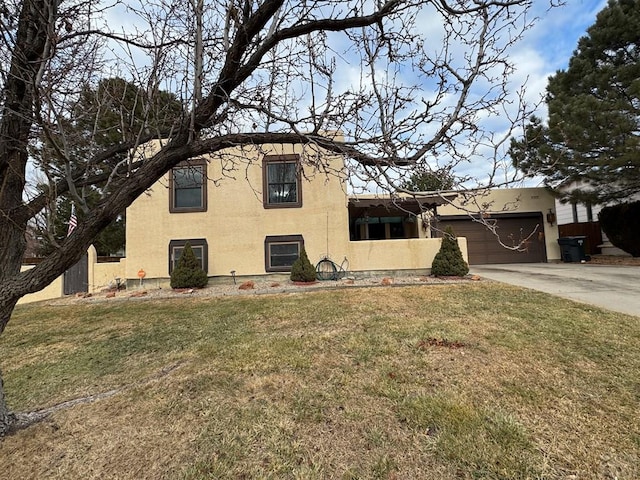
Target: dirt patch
{"points": [[439, 342], [615, 260]]}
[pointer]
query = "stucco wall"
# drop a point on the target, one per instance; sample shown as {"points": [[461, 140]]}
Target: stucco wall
{"points": [[236, 223], [397, 254], [512, 200], [105, 274], [99, 277], [54, 290]]}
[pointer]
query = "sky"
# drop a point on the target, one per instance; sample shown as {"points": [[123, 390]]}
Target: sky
{"points": [[548, 46], [545, 49]]}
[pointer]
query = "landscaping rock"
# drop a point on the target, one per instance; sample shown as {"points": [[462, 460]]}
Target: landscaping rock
{"points": [[248, 285]]}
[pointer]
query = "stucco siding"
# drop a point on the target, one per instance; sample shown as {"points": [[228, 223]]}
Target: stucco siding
{"points": [[512, 201], [397, 254], [236, 223], [53, 290]]}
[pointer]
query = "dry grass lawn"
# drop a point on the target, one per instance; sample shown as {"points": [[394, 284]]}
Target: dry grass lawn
{"points": [[468, 381]]}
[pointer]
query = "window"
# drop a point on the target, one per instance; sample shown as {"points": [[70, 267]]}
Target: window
{"points": [[281, 251], [281, 181], [188, 187], [589, 212], [199, 247]]}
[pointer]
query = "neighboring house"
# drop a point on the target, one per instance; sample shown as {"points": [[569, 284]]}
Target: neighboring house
{"points": [[250, 210], [575, 218]]}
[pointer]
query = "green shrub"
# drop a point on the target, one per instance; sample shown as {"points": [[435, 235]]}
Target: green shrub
{"points": [[302, 270], [188, 273], [449, 261], [620, 223]]}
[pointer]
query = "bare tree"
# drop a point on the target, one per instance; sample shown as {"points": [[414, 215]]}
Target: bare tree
{"points": [[406, 81]]}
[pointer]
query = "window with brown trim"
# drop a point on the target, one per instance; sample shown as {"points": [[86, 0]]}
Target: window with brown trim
{"points": [[199, 247], [280, 251], [188, 187], [281, 181]]}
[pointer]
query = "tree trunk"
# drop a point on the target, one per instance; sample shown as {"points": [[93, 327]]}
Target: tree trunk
{"points": [[15, 126], [6, 417]]}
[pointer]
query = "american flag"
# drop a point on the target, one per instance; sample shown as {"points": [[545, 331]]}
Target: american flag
{"points": [[73, 220]]}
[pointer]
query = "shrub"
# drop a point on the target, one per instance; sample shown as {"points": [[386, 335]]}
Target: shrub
{"points": [[188, 273], [449, 261], [620, 223], [302, 270]]}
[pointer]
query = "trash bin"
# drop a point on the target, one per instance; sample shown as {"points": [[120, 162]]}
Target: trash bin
{"points": [[572, 249]]}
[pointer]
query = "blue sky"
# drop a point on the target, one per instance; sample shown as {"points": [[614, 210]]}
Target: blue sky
{"points": [[544, 49], [548, 46]]}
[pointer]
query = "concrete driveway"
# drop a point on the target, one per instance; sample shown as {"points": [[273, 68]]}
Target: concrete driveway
{"points": [[612, 287]]}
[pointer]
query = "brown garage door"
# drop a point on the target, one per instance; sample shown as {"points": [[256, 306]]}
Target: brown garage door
{"points": [[485, 248]]}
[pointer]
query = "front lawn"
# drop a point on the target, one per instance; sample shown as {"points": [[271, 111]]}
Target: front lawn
{"points": [[465, 381]]}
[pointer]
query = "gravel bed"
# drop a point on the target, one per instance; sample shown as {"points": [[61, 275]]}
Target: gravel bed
{"points": [[258, 287]]}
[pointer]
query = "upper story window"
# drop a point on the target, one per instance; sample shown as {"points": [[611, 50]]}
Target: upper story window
{"points": [[188, 187], [281, 181]]}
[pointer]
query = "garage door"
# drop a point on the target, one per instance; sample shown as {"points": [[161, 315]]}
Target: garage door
{"points": [[484, 247]]}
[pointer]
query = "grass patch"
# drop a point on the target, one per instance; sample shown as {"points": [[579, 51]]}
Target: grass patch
{"points": [[495, 445], [480, 381]]}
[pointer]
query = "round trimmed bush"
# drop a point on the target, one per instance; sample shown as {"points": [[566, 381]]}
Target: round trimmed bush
{"points": [[621, 223]]}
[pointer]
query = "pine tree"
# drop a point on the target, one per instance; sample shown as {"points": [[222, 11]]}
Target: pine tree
{"points": [[594, 115], [188, 273], [449, 261], [302, 270], [426, 180]]}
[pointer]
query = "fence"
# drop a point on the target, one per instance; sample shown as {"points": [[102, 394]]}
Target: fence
{"points": [[591, 230], [99, 274]]}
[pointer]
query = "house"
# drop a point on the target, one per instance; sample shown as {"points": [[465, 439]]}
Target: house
{"points": [[508, 225], [581, 218], [248, 211]]}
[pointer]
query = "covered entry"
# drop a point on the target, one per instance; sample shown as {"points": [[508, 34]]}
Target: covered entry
{"points": [[385, 218], [483, 246]]}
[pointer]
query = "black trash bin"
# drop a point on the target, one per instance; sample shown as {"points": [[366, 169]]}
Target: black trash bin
{"points": [[572, 249]]}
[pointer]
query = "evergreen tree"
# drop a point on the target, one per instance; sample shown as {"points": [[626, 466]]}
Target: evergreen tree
{"points": [[449, 260], [593, 132], [302, 270], [188, 273], [113, 110], [425, 180]]}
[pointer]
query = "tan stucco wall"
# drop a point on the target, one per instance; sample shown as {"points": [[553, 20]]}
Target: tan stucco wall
{"points": [[236, 223], [396, 254], [512, 200], [54, 290], [100, 276], [105, 274]]}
